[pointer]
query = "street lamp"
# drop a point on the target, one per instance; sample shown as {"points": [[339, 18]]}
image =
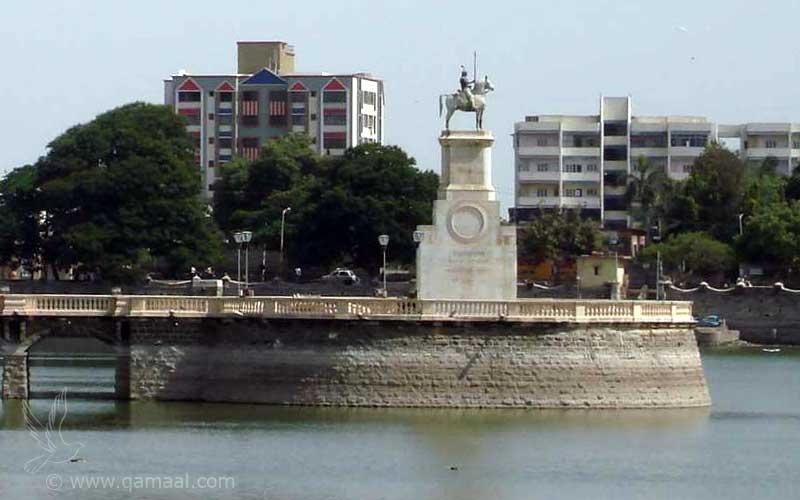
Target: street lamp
{"points": [[384, 242], [242, 238], [283, 224], [740, 224]]}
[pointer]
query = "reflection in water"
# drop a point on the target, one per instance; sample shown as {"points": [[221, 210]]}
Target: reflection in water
{"points": [[744, 447]]}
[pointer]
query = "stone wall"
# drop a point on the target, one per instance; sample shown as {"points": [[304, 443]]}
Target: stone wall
{"points": [[392, 364], [762, 315]]}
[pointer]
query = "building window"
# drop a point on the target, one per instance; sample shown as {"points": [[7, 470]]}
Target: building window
{"points": [[250, 120], [597, 270], [188, 96], [335, 141], [796, 144], [573, 168], [225, 142], [542, 167], [335, 97], [689, 140], [335, 120], [592, 167], [574, 192], [687, 169], [298, 119], [210, 163], [771, 143], [211, 117], [541, 193], [210, 93], [541, 141], [225, 119], [211, 140], [369, 98], [313, 117], [615, 129], [523, 167], [591, 192], [226, 97]]}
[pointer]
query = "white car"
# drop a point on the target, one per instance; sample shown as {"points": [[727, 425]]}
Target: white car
{"points": [[342, 275]]}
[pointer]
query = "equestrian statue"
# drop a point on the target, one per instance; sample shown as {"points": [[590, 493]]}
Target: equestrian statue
{"points": [[470, 99]]}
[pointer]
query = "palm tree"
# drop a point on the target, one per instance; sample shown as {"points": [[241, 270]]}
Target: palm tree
{"points": [[645, 194]]}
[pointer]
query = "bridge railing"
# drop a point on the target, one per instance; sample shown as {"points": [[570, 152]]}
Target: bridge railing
{"points": [[521, 310]]}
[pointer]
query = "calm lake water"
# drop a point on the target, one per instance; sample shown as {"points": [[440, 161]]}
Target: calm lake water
{"points": [[746, 446]]}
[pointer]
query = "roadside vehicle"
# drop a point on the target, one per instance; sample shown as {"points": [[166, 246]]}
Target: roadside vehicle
{"points": [[342, 275], [711, 320]]}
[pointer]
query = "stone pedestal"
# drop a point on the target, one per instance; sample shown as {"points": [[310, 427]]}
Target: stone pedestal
{"points": [[15, 375], [467, 253]]}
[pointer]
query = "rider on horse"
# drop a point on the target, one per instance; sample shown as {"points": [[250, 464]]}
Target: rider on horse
{"points": [[466, 91]]}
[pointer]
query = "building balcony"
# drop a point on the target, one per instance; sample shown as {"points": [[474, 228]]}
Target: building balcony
{"points": [[649, 152], [583, 202], [581, 176], [766, 152], [535, 176], [686, 151], [538, 201], [537, 126], [538, 151], [582, 152]]}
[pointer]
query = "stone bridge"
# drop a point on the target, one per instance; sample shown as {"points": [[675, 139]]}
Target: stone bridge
{"points": [[356, 351]]}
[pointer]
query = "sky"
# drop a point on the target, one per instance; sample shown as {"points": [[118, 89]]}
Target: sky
{"points": [[64, 62]]}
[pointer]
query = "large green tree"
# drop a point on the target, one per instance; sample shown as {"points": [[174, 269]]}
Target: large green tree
{"points": [[339, 205], [693, 254], [559, 236], [121, 194]]}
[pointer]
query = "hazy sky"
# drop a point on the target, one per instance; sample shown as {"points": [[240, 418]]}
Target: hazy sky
{"points": [[66, 61]]}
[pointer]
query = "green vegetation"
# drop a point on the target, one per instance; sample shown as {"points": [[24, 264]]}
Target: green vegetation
{"points": [[695, 253], [339, 205], [559, 236], [117, 195]]}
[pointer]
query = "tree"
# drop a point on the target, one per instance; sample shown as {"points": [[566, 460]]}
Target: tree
{"points": [[716, 187], [645, 194], [339, 205], [772, 235], [694, 253], [559, 236], [18, 216], [120, 194]]}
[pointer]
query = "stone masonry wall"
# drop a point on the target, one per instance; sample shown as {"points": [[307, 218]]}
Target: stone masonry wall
{"points": [[416, 365], [761, 315]]}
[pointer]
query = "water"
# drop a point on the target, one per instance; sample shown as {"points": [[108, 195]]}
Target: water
{"points": [[746, 446]]}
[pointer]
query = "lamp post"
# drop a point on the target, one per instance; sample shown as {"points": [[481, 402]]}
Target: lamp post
{"points": [[242, 238], [283, 224], [741, 228], [384, 242]]}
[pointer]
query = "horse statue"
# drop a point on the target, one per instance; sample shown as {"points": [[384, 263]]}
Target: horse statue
{"points": [[459, 101]]}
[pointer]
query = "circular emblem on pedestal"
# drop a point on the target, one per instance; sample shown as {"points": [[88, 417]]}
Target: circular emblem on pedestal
{"points": [[466, 223]]}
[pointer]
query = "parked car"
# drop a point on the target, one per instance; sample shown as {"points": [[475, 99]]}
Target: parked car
{"points": [[711, 320], [342, 275]]}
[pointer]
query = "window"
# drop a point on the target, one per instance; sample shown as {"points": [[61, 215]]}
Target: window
{"points": [[313, 117], [211, 140], [574, 168], [313, 93], [225, 142], [188, 96], [615, 129], [298, 119], [615, 153], [297, 96], [226, 97], [250, 142], [210, 163], [591, 192], [597, 270], [541, 141], [335, 141], [250, 121], [210, 93], [335, 120], [795, 144], [211, 117], [335, 97], [250, 95], [541, 193], [574, 192], [689, 140], [225, 119], [542, 167], [592, 167], [369, 98], [523, 167], [687, 169], [771, 143]]}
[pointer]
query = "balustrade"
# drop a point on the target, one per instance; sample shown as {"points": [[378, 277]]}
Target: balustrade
{"points": [[523, 310]]}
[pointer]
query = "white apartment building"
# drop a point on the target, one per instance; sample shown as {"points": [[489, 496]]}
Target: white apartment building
{"points": [[583, 161]]}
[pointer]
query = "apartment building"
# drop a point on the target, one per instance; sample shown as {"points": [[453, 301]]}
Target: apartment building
{"points": [[583, 161], [238, 113]]}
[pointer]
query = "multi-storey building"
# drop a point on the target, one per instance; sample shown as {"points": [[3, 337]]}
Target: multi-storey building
{"points": [[236, 114], [584, 161]]}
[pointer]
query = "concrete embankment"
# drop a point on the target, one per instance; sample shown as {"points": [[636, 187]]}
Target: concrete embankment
{"points": [[352, 363]]}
